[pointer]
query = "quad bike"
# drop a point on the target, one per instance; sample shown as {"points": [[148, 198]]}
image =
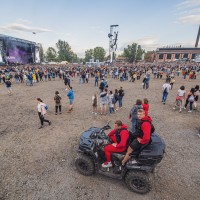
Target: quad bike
{"points": [[137, 172]]}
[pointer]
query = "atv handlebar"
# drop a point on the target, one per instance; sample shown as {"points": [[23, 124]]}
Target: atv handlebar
{"points": [[100, 135], [107, 126]]}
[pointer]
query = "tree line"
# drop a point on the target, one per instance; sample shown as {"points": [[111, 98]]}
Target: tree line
{"points": [[64, 52]]}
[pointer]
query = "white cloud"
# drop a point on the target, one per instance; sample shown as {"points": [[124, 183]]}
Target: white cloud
{"points": [[188, 4], [188, 11], [148, 43], [189, 19], [20, 20], [23, 28]]}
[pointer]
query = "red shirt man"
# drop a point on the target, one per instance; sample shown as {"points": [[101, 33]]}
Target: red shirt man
{"points": [[143, 133], [119, 136]]}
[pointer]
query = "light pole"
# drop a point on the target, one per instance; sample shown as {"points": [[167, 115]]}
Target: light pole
{"points": [[112, 41]]}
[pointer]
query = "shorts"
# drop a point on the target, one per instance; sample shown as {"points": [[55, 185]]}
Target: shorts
{"points": [[135, 145], [71, 101], [102, 104]]}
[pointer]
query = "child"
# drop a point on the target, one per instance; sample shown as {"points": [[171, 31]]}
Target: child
{"points": [[145, 106], [172, 82], [8, 86], [110, 102], [180, 97], [94, 104], [57, 100]]}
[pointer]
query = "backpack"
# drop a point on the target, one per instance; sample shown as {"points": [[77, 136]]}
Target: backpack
{"points": [[57, 99], [116, 97], [165, 90], [46, 107], [133, 136], [117, 135], [114, 100], [191, 98]]}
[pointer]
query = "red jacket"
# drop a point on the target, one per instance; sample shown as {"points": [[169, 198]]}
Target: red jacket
{"points": [[145, 108], [124, 134], [146, 128]]}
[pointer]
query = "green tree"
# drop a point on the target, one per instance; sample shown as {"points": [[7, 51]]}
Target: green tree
{"points": [[130, 52], [139, 53], [41, 53], [51, 54], [133, 52], [99, 53], [88, 55], [64, 51]]}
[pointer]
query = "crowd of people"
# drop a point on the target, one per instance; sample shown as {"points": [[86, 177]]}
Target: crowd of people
{"points": [[105, 97], [108, 100]]}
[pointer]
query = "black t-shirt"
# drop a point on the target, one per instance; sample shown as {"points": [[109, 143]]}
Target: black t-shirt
{"points": [[121, 92], [8, 83]]}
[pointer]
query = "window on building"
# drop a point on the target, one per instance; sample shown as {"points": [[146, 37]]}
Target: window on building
{"points": [[177, 56], [193, 56], [160, 56], [185, 55], [169, 56]]}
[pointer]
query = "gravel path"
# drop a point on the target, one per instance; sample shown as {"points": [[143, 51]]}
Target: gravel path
{"points": [[39, 164]]}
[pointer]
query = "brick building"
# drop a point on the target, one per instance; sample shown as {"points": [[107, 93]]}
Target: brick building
{"points": [[172, 54]]}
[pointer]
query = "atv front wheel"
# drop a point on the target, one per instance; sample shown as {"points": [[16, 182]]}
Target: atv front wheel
{"points": [[84, 165], [138, 182]]}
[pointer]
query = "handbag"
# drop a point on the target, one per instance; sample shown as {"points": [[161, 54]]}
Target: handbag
{"points": [[191, 98]]}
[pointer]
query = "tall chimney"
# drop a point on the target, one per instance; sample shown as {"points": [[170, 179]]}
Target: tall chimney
{"points": [[197, 40]]}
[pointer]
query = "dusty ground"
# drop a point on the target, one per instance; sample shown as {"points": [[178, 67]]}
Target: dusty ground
{"points": [[39, 164]]}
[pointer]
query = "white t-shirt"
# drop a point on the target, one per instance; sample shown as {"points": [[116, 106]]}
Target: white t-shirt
{"points": [[181, 93], [41, 109], [168, 86]]}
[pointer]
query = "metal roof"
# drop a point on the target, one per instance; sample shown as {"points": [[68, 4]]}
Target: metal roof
{"points": [[16, 39]]}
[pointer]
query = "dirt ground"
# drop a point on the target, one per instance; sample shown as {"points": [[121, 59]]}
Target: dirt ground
{"points": [[39, 164]]}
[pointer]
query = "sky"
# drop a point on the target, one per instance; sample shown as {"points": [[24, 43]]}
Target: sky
{"points": [[85, 24]]}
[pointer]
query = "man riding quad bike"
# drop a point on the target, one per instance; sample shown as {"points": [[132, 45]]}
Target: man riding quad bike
{"points": [[137, 171]]}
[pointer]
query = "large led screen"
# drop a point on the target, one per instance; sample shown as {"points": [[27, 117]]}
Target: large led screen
{"points": [[20, 53]]}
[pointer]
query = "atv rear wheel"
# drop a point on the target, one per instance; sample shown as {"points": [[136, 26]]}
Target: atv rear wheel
{"points": [[138, 182], [84, 165]]}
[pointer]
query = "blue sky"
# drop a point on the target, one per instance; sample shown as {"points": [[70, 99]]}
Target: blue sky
{"points": [[85, 24]]}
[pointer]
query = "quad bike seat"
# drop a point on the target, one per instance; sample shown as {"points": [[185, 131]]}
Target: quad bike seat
{"points": [[120, 155]]}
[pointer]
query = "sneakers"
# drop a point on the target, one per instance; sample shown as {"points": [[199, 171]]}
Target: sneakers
{"points": [[189, 111], [49, 123], [40, 127], [106, 164], [174, 108]]}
